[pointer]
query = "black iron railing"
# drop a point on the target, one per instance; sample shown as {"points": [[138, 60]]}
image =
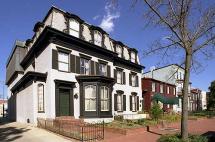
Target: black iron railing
{"points": [[75, 130]]}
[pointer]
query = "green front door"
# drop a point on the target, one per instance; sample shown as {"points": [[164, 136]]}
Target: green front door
{"points": [[64, 102]]}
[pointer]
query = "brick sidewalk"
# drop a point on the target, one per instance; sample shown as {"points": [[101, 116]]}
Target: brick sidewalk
{"points": [[200, 126]]}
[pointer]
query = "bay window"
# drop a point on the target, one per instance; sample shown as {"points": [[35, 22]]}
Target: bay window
{"points": [[40, 98], [63, 61], [104, 98], [84, 66], [74, 28], [97, 38], [90, 97]]}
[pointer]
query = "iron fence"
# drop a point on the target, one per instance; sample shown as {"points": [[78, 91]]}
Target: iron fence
{"points": [[78, 131]]}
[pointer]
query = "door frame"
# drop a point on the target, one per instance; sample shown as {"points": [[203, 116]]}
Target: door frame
{"points": [[60, 84]]}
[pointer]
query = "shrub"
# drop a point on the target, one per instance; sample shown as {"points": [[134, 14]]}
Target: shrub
{"points": [[156, 111], [177, 138], [118, 117]]}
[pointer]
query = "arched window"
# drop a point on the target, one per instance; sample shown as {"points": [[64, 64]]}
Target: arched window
{"points": [[90, 97], [97, 38], [40, 98], [104, 98], [74, 27]]}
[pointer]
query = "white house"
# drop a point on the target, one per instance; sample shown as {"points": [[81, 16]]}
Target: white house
{"points": [[72, 68], [172, 74]]}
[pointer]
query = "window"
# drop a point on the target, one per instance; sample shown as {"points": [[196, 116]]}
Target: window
{"points": [[119, 50], [133, 57], [97, 38], [40, 98], [119, 102], [153, 86], [133, 103], [161, 88], [119, 77], [168, 89], [63, 61], [90, 98], [173, 91], [103, 69], [85, 66], [133, 80], [74, 27], [104, 98]]}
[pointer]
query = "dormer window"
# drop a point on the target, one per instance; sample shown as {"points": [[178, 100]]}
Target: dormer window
{"points": [[74, 28], [133, 57], [119, 50], [97, 38]]}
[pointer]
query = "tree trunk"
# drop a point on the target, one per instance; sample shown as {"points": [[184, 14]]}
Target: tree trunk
{"points": [[184, 119]]}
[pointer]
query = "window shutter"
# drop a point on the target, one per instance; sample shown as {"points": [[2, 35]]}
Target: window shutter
{"points": [[115, 102], [92, 64], [124, 78], [55, 59], [130, 103], [129, 79], [137, 81], [108, 71], [72, 63], [124, 102], [115, 73], [77, 65], [138, 103], [97, 68]]}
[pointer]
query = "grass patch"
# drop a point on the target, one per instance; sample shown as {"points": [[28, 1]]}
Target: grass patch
{"points": [[200, 114]]}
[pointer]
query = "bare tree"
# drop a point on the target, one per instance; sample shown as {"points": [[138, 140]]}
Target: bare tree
{"points": [[190, 26]]}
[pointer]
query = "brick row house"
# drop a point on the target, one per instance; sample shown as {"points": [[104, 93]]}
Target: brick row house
{"points": [[72, 68], [151, 88]]}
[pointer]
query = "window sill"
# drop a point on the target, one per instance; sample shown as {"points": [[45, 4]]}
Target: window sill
{"points": [[64, 71]]}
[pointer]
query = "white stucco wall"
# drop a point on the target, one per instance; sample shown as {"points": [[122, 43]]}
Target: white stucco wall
{"points": [[204, 100], [25, 105]]}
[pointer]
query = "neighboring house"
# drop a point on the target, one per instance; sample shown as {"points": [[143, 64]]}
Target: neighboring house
{"points": [[198, 100], [72, 68], [172, 74], [152, 87], [3, 107]]}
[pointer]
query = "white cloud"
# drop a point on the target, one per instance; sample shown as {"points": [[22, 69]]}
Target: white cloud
{"points": [[96, 17], [112, 14]]}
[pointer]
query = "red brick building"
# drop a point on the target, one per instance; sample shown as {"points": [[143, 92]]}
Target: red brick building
{"points": [[151, 87]]}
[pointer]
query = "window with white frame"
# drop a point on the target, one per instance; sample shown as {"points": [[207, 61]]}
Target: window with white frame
{"points": [[134, 102], [168, 89], [90, 97], [63, 61], [119, 50], [119, 75], [104, 98], [133, 57], [161, 88], [103, 69], [84, 66], [97, 38], [74, 27], [133, 80], [119, 102], [153, 86], [40, 98]]}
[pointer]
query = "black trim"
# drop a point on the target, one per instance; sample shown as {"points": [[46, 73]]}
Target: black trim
{"points": [[28, 77], [119, 92], [59, 49], [13, 77], [37, 26], [51, 35], [85, 56]]}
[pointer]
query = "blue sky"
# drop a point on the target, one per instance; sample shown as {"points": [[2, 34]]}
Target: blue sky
{"points": [[123, 23]]}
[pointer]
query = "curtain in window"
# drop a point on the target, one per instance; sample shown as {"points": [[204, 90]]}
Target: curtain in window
{"points": [[104, 98], [119, 102], [90, 98]]}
